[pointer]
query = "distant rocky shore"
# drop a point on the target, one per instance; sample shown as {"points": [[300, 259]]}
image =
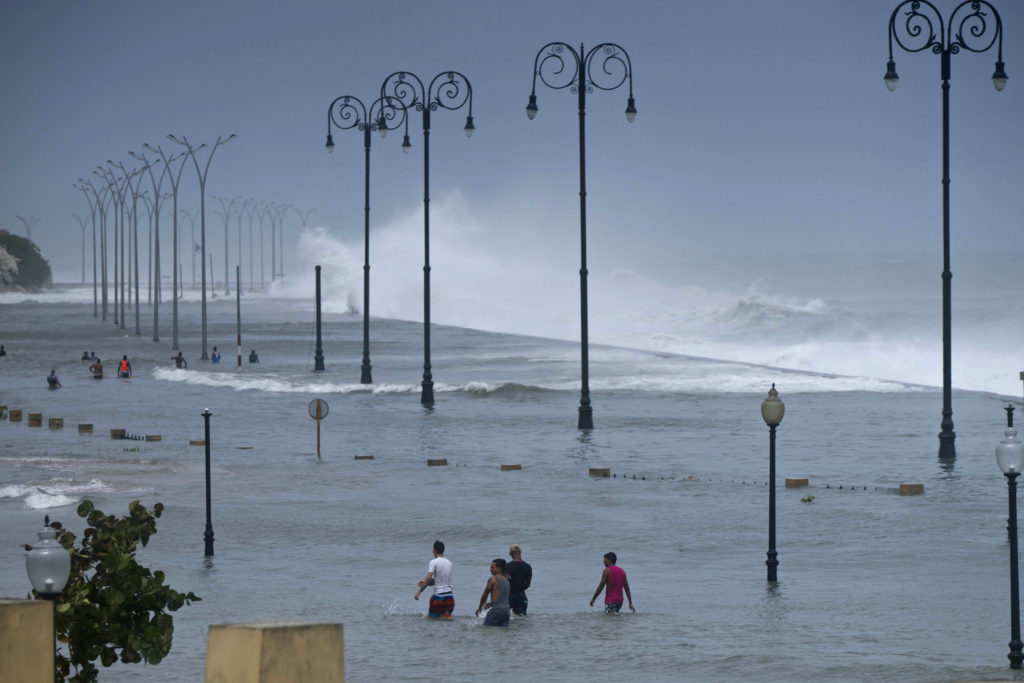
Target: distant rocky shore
{"points": [[22, 266]]}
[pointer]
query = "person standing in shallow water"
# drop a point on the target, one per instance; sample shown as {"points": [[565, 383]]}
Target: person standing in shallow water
{"points": [[613, 582], [520, 574], [96, 369], [179, 361], [497, 589], [124, 368], [439, 575]]}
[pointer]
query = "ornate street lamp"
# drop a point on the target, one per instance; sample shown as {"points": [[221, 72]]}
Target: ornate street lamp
{"points": [[347, 112], [579, 76], [1010, 457], [447, 90], [208, 533], [772, 410], [48, 563], [202, 209], [923, 28]]}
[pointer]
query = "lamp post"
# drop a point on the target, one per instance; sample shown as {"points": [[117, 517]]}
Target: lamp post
{"points": [[117, 203], [251, 206], [227, 206], [447, 90], [208, 534], [191, 216], [135, 233], [969, 29], [48, 565], [347, 112], [85, 188], [615, 69], [27, 223], [1010, 457], [100, 207], [202, 208], [772, 410]]}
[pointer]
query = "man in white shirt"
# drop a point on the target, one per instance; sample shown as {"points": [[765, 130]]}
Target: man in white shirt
{"points": [[439, 575]]}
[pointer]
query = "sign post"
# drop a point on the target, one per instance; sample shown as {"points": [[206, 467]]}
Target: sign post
{"points": [[318, 410]]}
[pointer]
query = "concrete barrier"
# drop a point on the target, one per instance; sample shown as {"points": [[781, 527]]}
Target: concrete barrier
{"points": [[3, 411], [154, 437], [280, 652], [200, 442], [601, 472], [85, 429], [509, 468], [117, 433], [911, 489], [14, 415], [364, 457], [796, 483], [243, 448], [35, 419], [26, 640], [56, 423], [437, 462]]}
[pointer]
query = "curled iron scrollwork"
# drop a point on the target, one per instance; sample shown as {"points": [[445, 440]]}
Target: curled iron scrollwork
{"points": [[615, 67], [969, 27], [450, 90], [348, 112]]}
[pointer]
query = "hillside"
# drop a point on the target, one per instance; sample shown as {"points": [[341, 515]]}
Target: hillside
{"points": [[22, 266]]}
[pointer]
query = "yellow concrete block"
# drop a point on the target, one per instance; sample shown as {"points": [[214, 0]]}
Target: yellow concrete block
{"points": [[276, 652], [364, 457], [510, 468], [85, 429], [601, 472], [117, 433], [911, 489], [56, 423], [437, 462], [26, 640], [796, 483], [154, 437], [35, 419], [14, 415], [200, 442]]}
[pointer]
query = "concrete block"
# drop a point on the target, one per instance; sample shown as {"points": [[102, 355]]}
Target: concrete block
{"points": [[276, 652], [14, 415], [56, 423], [243, 448], [510, 468], [35, 419], [200, 442], [796, 483], [117, 433], [85, 429], [3, 411], [154, 437], [364, 457], [437, 462], [911, 489], [26, 640], [601, 472]]}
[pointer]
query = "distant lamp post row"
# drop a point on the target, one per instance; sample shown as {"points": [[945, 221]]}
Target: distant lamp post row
{"points": [[348, 112], [558, 65], [916, 26]]}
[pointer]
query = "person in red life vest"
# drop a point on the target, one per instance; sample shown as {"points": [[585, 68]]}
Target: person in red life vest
{"points": [[124, 368], [613, 579]]}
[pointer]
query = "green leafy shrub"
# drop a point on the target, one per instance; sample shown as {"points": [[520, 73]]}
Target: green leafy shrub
{"points": [[112, 607]]}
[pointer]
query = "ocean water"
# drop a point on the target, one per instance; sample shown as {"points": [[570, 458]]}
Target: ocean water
{"points": [[873, 585]]}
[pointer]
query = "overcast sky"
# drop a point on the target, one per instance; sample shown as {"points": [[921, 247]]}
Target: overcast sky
{"points": [[764, 127]]}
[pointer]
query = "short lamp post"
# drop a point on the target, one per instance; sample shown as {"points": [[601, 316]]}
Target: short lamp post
{"points": [[1010, 456], [772, 410], [208, 534], [48, 564]]}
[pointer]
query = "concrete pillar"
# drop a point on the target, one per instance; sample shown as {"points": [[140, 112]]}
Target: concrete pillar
{"points": [[275, 652], [26, 640]]}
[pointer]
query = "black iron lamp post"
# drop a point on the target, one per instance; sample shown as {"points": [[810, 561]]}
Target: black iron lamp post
{"points": [[614, 69], [772, 410], [921, 27], [208, 534], [1010, 457], [318, 356], [85, 187], [348, 112], [202, 209], [447, 90]]}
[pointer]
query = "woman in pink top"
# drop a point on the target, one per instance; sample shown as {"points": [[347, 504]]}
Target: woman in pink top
{"points": [[613, 579]]}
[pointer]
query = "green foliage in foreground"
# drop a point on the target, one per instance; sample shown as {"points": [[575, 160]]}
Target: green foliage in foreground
{"points": [[33, 271], [112, 607]]}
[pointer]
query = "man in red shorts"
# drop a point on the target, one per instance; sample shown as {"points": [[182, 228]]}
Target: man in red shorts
{"points": [[439, 575]]}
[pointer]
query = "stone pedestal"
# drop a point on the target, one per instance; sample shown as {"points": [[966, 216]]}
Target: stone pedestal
{"points": [[275, 652], [26, 640]]}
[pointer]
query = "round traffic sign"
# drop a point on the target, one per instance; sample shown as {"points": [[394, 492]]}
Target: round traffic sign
{"points": [[318, 408]]}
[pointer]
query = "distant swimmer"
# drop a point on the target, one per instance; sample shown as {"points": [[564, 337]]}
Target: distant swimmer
{"points": [[180, 362], [253, 358], [96, 369], [216, 355], [124, 368], [52, 380], [496, 589], [3, 351], [520, 574], [439, 575], [92, 355], [613, 582], [85, 355]]}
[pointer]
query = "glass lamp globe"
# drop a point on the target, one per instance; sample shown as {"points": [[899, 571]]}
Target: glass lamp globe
{"points": [[999, 77], [1010, 453], [531, 108], [772, 408], [406, 145], [630, 110], [48, 564], [891, 79]]}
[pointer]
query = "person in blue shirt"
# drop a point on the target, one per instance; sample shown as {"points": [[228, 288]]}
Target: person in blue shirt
{"points": [[216, 355]]}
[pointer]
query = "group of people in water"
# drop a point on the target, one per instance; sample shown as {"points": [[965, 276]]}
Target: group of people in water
{"points": [[124, 366], [505, 591]]}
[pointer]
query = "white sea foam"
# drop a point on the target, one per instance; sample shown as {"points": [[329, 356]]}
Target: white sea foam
{"points": [[57, 492]]}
